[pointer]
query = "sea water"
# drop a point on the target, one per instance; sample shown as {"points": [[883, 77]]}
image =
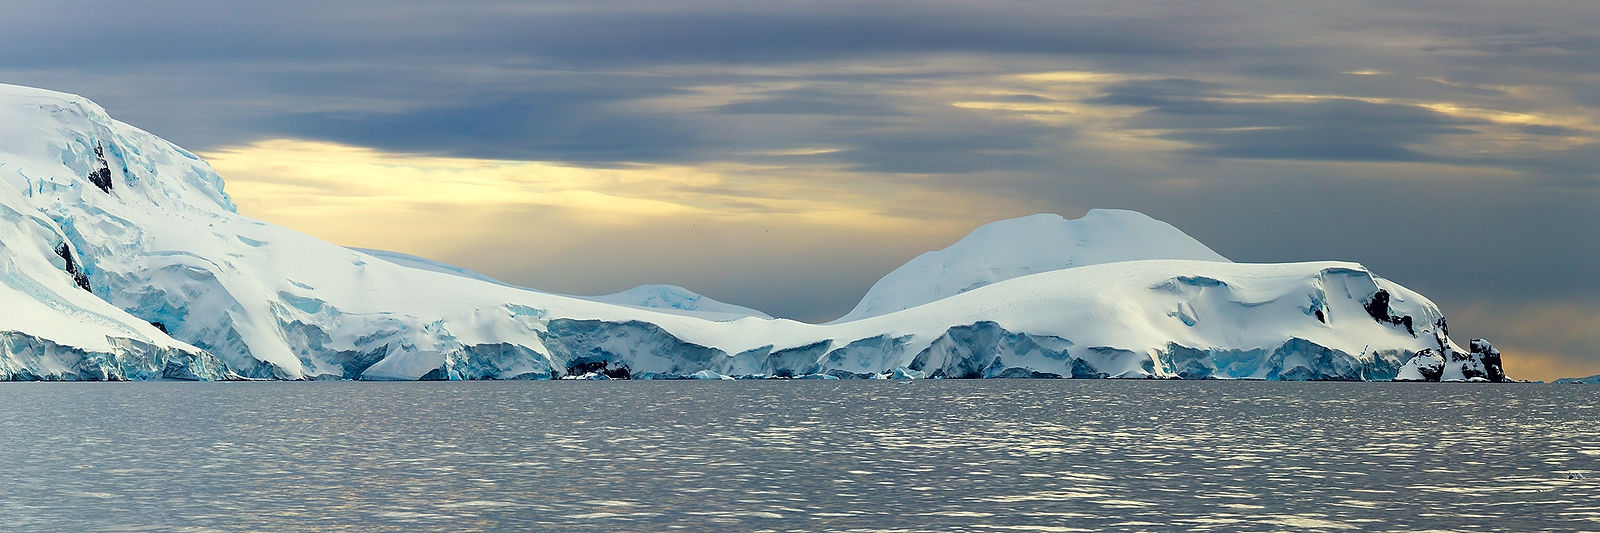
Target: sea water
{"points": [[930, 455]]}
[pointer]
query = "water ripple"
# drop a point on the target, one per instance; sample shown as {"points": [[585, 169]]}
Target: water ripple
{"points": [[1001, 455]]}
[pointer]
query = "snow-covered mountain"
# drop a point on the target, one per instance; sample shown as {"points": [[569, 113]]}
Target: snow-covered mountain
{"points": [[1007, 249], [123, 258], [1595, 379]]}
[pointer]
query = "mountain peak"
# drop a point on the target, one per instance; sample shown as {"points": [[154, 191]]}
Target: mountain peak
{"points": [[1042, 242]]}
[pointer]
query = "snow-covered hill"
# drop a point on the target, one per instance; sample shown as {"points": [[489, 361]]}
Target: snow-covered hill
{"points": [[124, 259], [675, 299], [1595, 379], [1007, 249]]}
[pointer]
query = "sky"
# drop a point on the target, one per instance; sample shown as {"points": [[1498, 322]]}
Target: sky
{"points": [[785, 155]]}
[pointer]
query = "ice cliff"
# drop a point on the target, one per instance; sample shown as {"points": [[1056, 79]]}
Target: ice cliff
{"points": [[121, 257]]}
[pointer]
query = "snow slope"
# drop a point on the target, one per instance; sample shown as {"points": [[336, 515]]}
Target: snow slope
{"points": [[422, 263], [669, 298], [675, 299], [157, 241], [1020, 246]]}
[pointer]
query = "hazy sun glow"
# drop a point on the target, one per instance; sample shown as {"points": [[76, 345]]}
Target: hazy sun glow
{"points": [[511, 217]]}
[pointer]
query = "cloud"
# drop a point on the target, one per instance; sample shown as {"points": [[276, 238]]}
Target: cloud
{"points": [[1448, 145], [807, 248], [1221, 123], [1542, 340], [572, 126], [811, 100]]}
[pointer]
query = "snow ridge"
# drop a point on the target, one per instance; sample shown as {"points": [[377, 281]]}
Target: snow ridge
{"points": [[673, 298]]}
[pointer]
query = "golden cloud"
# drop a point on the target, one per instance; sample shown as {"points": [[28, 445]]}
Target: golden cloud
{"points": [[554, 216]]}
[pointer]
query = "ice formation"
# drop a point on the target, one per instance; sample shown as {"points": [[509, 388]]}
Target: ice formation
{"points": [[123, 258]]}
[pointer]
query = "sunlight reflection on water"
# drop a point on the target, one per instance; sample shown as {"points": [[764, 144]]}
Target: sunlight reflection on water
{"points": [[998, 455]]}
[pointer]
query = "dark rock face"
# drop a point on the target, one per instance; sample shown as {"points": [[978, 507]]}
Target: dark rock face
{"points": [[610, 369], [1378, 307], [101, 177], [1480, 363], [1471, 364], [1490, 357], [65, 252], [1429, 364]]}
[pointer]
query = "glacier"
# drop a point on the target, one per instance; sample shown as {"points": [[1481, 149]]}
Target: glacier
{"points": [[124, 258]]}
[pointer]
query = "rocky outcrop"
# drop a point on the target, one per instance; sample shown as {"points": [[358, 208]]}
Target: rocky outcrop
{"points": [[1480, 363], [1378, 307], [101, 177]]}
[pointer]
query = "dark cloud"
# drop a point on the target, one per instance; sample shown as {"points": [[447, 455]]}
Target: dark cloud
{"points": [[811, 101], [583, 34], [1574, 167], [1335, 129], [549, 125]]}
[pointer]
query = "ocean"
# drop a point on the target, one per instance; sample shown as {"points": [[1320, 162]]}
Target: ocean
{"points": [[928, 455]]}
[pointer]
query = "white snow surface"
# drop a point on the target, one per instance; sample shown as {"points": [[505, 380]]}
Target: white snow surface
{"points": [[423, 263], [1007, 249], [678, 300], [668, 298], [240, 296]]}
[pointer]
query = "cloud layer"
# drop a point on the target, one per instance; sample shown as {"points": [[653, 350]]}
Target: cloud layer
{"points": [[1452, 146]]}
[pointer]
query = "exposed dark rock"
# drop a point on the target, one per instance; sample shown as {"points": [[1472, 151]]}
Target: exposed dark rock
{"points": [[1023, 373], [1429, 364], [1490, 356], [846, 374], [65, 252], [1378, 308], [610, 369], [160, 326], [101, 177]]}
